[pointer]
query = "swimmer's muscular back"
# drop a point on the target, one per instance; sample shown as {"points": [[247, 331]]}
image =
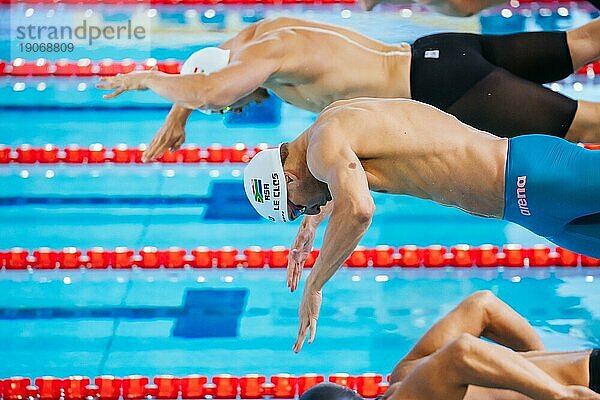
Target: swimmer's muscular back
{"points": [[256, 30], [318, 63], [406, 149]]}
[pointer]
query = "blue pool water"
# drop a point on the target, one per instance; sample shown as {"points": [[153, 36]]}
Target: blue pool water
{"points": [[210, 322], [241, 322]]}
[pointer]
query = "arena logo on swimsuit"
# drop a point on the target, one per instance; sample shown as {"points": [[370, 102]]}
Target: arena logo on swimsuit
{"points": [[522, 196]]}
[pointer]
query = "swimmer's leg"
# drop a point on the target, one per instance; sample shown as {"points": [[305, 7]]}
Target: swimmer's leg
{"points": [[507, 105], [539, 57], [585, 127], [584, 43], [544, 57], [482, 314], [471, 361], [584, 47]]}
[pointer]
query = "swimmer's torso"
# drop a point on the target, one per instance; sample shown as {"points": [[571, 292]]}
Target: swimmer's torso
{"points": [[409, 150], [319, 66]]}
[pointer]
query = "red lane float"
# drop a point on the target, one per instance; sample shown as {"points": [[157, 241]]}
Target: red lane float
{"points": [[486, 256], [48, 154], [15, 388], [134, 387], [541, 256], [227, 257], [149, 258], [278, 257], [167, 386], [85, 67], [590, 261], [69, 258], [74, 387], [255, 257], [383, 256], [359, 258], [4, 154], [284, 386], [123, 258], [410, 256], [226, 386], [251, 386], [193, 387], [434, 256], [26, 154], [202, 257], [311, 259], [99, 258], [590, 69], [367, 385], [463, 256], [343, 379], [49, 387], [307, 381], [123, 154], [567, 258], [16, 258], [45, 258], [109, 387]]}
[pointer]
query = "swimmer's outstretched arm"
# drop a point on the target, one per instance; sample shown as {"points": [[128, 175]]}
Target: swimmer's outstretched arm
{"points": [[303, 244], [246, 72], [482, 314], [331, 160], [471, 361]]}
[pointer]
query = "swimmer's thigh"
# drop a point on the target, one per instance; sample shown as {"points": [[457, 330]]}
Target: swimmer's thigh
{"points": [[539, 57], [507, 106]]}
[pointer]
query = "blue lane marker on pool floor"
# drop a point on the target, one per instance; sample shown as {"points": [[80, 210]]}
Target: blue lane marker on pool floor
{"points": [[227, 201], [204, 313]]}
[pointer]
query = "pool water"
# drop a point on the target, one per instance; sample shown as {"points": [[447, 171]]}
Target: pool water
{"points": [[235, 321], [238, 322]]}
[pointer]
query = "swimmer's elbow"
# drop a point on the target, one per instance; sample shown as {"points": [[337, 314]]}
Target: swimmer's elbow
{"points": [[209, 98], [363, 211], [463, 354]]}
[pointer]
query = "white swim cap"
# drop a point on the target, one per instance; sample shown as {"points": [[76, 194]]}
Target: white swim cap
{"points": [[265, 186], [206, 61]]}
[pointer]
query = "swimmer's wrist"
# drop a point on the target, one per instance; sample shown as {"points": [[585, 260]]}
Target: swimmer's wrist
{"points": [[311, 284], [149, 77]]}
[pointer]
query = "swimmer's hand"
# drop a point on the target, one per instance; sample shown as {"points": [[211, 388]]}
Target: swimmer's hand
{"points": [[303, 245], [309, 315], [124, 82], [170, 136]]}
